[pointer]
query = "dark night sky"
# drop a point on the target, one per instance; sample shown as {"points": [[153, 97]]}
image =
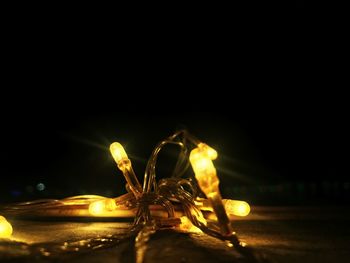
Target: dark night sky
{"points": [[261, 147], [287, 140], [276, 139]]}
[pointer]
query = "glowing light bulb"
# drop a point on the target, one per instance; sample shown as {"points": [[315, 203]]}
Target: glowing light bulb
{"points": [[204, 170], [5, 228], [101, 207], [210, 152], [232, 207], [124, 164], [235, 207], [119, 155]]}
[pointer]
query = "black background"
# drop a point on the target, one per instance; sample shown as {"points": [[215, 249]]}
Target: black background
{"points": [[259, 95], [273, 150]]}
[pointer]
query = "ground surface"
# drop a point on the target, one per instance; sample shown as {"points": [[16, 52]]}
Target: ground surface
{"points": [[279, 234]]}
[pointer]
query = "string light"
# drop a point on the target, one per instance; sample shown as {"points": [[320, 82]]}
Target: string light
{"points": [[170, 202], [5, 228]]}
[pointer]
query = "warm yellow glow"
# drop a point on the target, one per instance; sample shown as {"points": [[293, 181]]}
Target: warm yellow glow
{"points": [[200, 162], [118, 152], [235, 207], [187, 225], [102, 206], [232, 207], [5, 228], [210, 152], [204, 171], [124, 164]]}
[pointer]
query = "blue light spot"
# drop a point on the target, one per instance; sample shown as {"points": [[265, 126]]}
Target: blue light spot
{"points": [[40, 187]]}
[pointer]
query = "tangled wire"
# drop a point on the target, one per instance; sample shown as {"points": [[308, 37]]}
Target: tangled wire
{"points": [[182, 191]]}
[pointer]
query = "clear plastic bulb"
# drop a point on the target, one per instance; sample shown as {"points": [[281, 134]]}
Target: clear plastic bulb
{"points": [[118, 152], [99, 208], [235, 207], [208, 151], [5, 228], [204, 171]]}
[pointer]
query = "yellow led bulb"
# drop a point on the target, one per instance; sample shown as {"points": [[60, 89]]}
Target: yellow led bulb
{"points": [[118, 153], [232, 207], [208, 151], [5, 228], [235, 207], [99, 208], [200, 162], [124, 164], [204, 171]]}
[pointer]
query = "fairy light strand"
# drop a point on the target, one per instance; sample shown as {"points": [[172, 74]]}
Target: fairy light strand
{"points": [[158, 204]]}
